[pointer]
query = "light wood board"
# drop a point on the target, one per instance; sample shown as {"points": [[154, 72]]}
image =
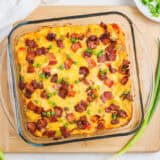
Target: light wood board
{"points": [[149, 142]]}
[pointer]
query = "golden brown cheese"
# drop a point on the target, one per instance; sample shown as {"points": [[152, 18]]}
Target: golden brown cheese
{"points": [[74, 79]]}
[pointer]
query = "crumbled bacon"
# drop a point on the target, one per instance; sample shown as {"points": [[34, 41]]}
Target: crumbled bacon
{"points": [[76, 46], [31, 127], [91, 63], [108, 82], [112, 108], [65, 132], [68, 63], [124, 80], [49, 133], [40, 51], [81, 106], [58, 111], [124, 68], [30, 43], [104, 26], [91, 94], [110, 52], [83, 71], [102, 58], [71, 92], [54, 78], [60, 43], [47, 71], [114, 121], [21, 85], [30, 68], [101, 125], [44, 94], [77, 36], [92, 42], [36, 109], [52, 59], [111, 69], [107, 95], [30, 55], [63, 90], [70, 117], [95, 118], [41, 123], [105, 38], [83, 123], [37, 85], [122, 113], [51, 36]]}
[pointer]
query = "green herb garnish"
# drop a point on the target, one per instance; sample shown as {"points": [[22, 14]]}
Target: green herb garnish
{"points": [[114, 116], [52, 103], [76, 81], [66, 125], [37, 65], [103, 72], [89, 50], [98, 53], [100, 111], [88, 112], [61, 67], [41, 75], [73, 40], [153, 6], [36, 101], [50, 46]]}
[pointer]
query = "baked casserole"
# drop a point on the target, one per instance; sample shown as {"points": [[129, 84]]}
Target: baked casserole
{"points": [[74, 79]]}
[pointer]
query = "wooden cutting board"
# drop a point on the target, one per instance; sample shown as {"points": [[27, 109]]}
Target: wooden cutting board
{"points": [[149, 142]]}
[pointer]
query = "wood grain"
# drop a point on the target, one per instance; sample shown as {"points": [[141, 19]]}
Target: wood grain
{"points": [[149, 142]]}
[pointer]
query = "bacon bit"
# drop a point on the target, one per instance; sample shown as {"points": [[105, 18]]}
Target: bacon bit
{"points": [[103, 25], [29, 88], [52, 59], [36, 109], [108, 82], [86, 54], [95, 118], [114, 121], [112, 108], [101, 125], [86, 82], [124, 80], [60, 43], [122, 113], [63, 90], [83, 123], [68, 63], [81, 106], [41, 123], [92, 42], [31, 126], [111, 69], [51, 36], [47, 71], [102, 76], [53, 119], [49, 134], [44, 94], [92, 94], [70, 117], [115, 27], [30, 43], [54, 78], [30, 68], [91, 63], [111, 52], [124, 68], [102, 58], [107, 95], [58, 111], [41, 51], [30, 55], [21, 85], [105, 38], [65, 132], [36, 85], [83, 71], [127, 96], [76, 46], [71, 93], [77, 36]]}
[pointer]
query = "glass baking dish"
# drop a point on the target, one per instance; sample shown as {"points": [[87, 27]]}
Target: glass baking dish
{"points": [[141, 75]]}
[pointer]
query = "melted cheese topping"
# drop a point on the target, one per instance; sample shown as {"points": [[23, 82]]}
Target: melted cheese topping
{"points": [[97, 107]]}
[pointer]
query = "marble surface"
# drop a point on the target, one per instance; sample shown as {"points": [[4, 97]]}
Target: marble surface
{"points": [[93, 156]]}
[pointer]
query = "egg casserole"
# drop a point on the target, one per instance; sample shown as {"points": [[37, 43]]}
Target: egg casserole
{"points": [[74, 79]]}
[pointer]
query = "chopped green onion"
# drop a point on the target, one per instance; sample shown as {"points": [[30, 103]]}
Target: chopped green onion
{"points": [[76, 81], [88, 112], [37, 65], [41, 75], [49, 95], [89, 50], [61, 67], [36, 101], [99, 53], [73, 40], [75, 62], [66, 125], [103, 72], [114, 116], [58, 133], [52, 103], [152, 107], [50, 46], [68, 56], [100, 111]]}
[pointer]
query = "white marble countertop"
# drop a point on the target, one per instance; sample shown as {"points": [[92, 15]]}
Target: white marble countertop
{"points": [[92, 156]]}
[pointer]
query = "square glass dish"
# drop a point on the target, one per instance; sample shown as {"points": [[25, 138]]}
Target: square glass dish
{"points": [[141, 75]]}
